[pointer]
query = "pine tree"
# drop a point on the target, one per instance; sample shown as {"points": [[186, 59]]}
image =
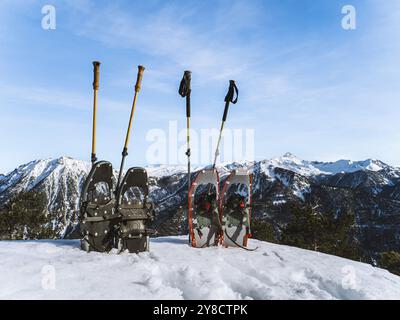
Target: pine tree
{"points": [[304, 229], [263, 231], [311, 228], [26, 216], [390, 261]]}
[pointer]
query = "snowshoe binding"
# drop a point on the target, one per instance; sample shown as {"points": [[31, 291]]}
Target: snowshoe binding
{"points": [[236, 209], [98, 216], [136, 212], [204, 218]]}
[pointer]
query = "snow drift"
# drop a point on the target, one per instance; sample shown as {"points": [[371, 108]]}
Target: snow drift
{"points": [[172, 270]]}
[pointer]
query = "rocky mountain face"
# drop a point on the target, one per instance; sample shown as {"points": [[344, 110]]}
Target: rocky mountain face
{"points": [[370, 189]]}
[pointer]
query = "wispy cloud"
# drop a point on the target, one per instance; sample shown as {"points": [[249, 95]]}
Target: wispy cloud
{"points": [[15, 95], [170, 35]]}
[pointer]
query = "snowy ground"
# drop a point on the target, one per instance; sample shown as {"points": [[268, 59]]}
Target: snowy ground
{"points": [[173, 270]]}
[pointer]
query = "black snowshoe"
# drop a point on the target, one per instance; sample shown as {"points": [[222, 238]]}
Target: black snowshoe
{"points": [[236, 209], [204, 218], [98, 216], [136, 212]]}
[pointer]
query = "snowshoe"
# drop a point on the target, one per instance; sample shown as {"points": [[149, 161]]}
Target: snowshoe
{"points": [[97, 209], [236, 208], [136, 212], [204, 218]]}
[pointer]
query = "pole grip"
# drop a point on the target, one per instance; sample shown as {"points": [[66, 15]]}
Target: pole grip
{"points": [[139, 78], [96, 75], [231, 97], [188, 76], [185, 89]]}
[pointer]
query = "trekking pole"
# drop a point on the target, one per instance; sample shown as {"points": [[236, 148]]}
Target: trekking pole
{"points": [[184, 91], [232, 91], [125, 150], [96, 78]]}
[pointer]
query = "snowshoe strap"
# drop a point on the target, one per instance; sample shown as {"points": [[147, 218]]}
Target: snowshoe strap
{"points": [[150, 231], [237, 244], [93, 219]]}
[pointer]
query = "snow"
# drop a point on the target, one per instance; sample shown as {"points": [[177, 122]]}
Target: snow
{"points": [[163, 170], [348, 166], [58, 269], [313, 168], [290, 162], [278, 202], [34, 172]]}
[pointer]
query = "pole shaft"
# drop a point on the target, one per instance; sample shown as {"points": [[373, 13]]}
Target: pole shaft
{"points": [[93, 158], [128, 132], [96, 85], [188, 147], [218, 143], [121, 168]]}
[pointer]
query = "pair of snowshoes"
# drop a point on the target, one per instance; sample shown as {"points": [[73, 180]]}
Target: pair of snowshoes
{"points": [[112, 218], [220, 216]]}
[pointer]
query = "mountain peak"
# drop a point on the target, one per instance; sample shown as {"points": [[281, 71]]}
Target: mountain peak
{"points": [[289, 155]]}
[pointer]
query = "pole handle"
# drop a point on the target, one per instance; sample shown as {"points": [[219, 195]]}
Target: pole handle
{"points": [[139, 78], [231, 97], [96, 75], [185, 89]]}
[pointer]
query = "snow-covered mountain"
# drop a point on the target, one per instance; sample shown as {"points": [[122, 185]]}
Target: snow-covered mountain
{"points": [[62, 178], [370, 189], [66, 174], [173, 270]]}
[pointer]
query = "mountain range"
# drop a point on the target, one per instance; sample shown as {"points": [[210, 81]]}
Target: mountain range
{"points": [[370, 189]]}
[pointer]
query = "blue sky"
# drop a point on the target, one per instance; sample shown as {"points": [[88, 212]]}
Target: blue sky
{"points": [[306, 85]]}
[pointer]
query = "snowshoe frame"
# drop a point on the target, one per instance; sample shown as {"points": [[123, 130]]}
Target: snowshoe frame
{"points": [[203, 238], [236, 237]]}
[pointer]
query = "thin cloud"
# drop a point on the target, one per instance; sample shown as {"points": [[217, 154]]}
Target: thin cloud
{"points": [[50, 97], [168, 35]]}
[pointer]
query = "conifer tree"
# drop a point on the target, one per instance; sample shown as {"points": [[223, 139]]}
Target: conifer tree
{"points": [[390, 261], [313, 229], [26, 216]]}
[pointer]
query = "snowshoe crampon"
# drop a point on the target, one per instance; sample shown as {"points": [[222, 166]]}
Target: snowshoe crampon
{"points": [[135, 210], [97, 209], [204, 218], [236, 208]]}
